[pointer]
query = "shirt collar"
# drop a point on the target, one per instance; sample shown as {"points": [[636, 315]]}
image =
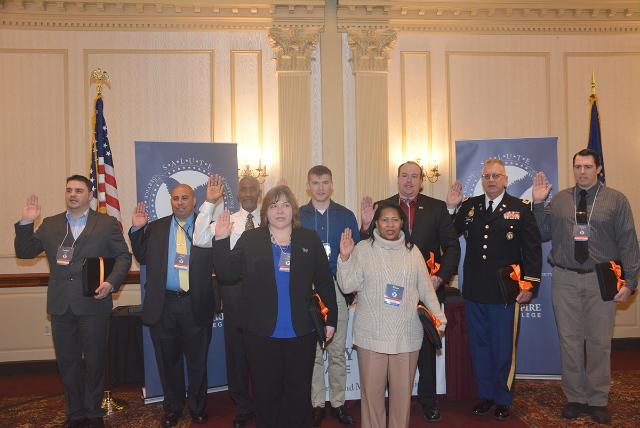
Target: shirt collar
{"points": [[496, 201], [412, 201], [81, 218], [310, 208], [255, 213], [591, 191]]}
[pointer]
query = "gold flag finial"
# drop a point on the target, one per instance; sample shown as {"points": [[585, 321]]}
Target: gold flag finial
{"points": [[593, 83], [100, 77]]}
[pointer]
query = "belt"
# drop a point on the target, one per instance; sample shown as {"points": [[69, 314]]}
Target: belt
{"points": [[178, 294], [576, 270]]}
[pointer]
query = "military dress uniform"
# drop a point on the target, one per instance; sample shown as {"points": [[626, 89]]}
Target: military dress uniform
{"points": [[496, 239]]}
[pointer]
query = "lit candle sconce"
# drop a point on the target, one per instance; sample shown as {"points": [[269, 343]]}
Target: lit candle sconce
{"points": [[259, 173], [432, 174]]}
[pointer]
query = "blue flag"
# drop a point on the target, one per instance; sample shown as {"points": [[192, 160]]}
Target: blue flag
{"points": [[595, 141]]}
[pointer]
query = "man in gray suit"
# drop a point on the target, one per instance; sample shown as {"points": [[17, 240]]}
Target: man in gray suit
{"points": [[79, 324]]}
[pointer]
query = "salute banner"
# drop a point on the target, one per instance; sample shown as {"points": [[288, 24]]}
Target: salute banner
{"points": [[159, 168], [538, 351]]}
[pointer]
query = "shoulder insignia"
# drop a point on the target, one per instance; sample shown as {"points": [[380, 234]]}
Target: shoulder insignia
{"points": [[526, 201], [465, 199]]}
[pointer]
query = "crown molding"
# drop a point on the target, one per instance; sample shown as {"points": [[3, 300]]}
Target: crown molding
{"points": [[163, 15], [476, 16]]}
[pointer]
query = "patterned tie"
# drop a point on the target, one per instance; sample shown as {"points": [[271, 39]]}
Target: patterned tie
{"points": [[581, 248], [181, 248], [249, 224], [490, 209]]}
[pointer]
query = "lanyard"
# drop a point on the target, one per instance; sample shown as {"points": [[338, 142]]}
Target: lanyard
{"points": [[282, 249], [65, 237], [575, 205], [315, 222], [186, 231]]}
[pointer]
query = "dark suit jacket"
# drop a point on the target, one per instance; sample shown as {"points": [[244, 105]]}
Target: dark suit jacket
{"points": [[101, 237], [508, 235], [151, 246], [433, 231], [252, 261]]}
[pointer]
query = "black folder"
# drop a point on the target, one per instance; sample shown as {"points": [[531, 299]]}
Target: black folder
{"points": [[318, 318], [93, 275], [607, 280], [430, 329], [509, 288]]}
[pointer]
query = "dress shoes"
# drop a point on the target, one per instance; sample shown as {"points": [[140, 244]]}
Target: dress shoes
{"points": [[341, 415], [431, 414], [600, 414], [199, 418], [95, 423], [75, 423], [573, 410], [502, 413], [170, 419], [317, 416], [483, 407], [241, 419]]}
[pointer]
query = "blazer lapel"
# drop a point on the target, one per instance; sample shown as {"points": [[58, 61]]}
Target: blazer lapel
{"points": [[92, 220]]}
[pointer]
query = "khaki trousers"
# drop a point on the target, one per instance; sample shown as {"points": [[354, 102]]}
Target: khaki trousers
{"points": [[582, 317], [337, 362], [375, 371]]}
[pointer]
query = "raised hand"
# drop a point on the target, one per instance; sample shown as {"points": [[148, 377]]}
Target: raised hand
{"points": [[346, 245], [366, 212], [454, 195], [140, 217], [31, 209], [541, 188], [223, 225], [215, 189]]}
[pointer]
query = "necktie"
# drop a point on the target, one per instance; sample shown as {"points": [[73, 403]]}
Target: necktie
{"points": [[249, 224], [490, 209], [581, 248], [181, 247]]}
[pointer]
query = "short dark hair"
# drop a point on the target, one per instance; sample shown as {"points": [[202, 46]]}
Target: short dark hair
{"points": [[588, 152], [82, 178], [405, 226], [319, 170], [272, 196]]}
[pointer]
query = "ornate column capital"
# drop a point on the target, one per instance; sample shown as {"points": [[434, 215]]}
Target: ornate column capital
{"points": [[370, 48], [294, 47]]}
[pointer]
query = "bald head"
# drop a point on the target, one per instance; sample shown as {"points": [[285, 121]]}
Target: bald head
{"points": [[249, 193], [183, 201]]}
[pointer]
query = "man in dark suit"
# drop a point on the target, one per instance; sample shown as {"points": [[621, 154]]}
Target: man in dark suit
{"points": [[178, 302], [500, 230], [79, 324], [433, 233]]}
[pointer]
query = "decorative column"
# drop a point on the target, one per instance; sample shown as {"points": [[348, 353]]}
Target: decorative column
{"points": [[370, 49], [294, 47]]}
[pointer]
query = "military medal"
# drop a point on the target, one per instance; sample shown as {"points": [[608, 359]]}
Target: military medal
{"points": [[509, 236]]}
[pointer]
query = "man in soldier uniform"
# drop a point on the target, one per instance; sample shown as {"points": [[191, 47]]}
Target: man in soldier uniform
{"points": [[500, 230]]}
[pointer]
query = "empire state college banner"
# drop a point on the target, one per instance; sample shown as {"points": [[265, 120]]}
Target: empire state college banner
{"points": [[538, 351], [159, 168]]}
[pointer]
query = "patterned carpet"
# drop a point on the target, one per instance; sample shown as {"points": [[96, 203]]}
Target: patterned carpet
{"points": [[537, 404]]}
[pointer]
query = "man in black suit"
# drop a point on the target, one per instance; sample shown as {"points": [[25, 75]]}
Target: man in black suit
{"points": [[433, 233], [178, 302], [79, 324]]}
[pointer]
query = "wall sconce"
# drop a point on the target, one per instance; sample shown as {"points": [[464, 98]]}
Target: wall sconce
{"points": [[432, 174], [260, 173]]}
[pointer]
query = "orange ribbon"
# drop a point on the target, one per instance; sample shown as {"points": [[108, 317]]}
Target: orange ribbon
{"points": [[617, 269], [323, 309], [432, 265], [515, 275], [435, 320]]}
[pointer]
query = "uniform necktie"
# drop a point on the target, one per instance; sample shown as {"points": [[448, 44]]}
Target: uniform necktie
{"points": [[581, 248], [249, 224], [181, 248], [490, 209]]}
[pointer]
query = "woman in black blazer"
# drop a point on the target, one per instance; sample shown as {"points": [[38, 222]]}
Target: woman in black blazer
{"points": [[279, 264]]}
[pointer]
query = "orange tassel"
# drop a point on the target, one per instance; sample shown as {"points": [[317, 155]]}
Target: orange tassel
{"points": [[617, 269], [515, 275], [432, 265], [323, 309], [435, 320]]}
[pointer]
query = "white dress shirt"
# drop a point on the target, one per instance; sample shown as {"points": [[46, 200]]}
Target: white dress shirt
{"points": [[205, 228]]}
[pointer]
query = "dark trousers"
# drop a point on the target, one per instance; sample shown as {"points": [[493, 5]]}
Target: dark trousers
{"points": [[235, 353], [427, 379], [177, 337], [490, 328], [281, 371], [80, 342]]}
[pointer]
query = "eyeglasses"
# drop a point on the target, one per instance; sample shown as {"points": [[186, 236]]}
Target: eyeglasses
{"points": [[492, 176]]}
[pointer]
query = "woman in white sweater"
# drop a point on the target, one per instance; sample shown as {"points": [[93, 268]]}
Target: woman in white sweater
{"points": [[389, 274]]}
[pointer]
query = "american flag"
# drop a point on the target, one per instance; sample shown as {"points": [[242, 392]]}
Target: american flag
{"points": [[101, 172]]}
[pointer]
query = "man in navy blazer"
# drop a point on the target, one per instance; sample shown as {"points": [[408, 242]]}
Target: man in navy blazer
{"points": [[179, 302], [79, 324]]}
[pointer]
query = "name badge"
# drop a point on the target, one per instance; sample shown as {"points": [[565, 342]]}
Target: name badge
{"points": [[284, 264], [181, 261], [581, 232], [393, 295], [64, 256], [327, 249]]}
